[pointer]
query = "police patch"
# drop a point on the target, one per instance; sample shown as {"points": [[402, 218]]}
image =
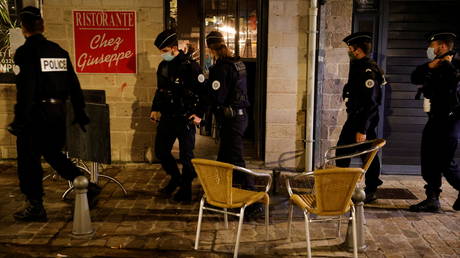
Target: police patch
{"points": [[53, 64], [201, 78], [215, 85], [369, 83]]}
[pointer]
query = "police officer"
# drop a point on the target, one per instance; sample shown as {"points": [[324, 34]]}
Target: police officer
{"points": [[362, 95], [45, 81], [440, 78], [177, 108], [228, 81]]}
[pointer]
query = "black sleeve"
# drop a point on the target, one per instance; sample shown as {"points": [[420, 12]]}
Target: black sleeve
{"points": [[370, 93], [198, 83], [156, 102], [420, 74], [218, 80], [76, 94], [26, 87]]}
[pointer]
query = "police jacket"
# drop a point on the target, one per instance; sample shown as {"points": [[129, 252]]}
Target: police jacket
{"points": [[362, 93], [180, 85], [45, 73], [228, 82], [440, 85]]}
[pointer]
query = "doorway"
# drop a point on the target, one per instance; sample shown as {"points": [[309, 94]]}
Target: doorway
{"points": [[244, 25]]}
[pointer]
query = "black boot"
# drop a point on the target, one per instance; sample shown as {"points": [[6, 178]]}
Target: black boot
{"points": [[173, 183], [431, 204], [254, 212], [456, 205], [33, 212], [370, 195], [184, 194], [93, 191]]}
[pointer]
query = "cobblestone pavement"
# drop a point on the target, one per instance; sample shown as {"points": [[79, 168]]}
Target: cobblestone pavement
{"points": [[142, 224]]}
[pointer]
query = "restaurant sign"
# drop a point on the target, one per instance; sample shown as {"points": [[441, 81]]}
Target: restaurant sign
{"points": [[105, 41]]}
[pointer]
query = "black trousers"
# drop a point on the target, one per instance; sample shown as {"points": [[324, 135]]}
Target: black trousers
{"points": [[348, 136], [45, 138], [231, 148], [439, 143], [169, 129]]}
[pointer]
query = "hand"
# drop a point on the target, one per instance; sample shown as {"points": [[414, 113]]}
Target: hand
{"points": [[447, 58], [155, 116], [360, 137], [435, 63], [82, 119], [196, 120]]}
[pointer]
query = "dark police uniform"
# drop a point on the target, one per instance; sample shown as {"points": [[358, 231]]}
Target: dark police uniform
{"points": [[45, 81], [180, 83], [441, 132], [362, 95], [229, 92]]}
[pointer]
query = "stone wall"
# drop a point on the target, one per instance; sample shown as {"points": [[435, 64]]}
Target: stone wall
{"points": [[335, 25], [129, 96], [286, 81]]}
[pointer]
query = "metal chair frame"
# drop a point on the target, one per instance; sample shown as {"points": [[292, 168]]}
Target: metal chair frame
{"points": [[240, 214]]}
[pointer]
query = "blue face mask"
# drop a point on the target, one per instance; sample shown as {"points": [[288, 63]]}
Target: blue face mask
{"points": [[168, 56]]}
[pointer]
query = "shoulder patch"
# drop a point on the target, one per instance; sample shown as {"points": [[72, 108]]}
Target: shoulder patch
{"points": [[369, 83], [53, 64], [239, 66], [201, 78], [215, 85]]}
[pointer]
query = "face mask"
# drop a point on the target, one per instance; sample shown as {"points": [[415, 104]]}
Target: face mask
{"points": [[430, 53], [167, 56]]}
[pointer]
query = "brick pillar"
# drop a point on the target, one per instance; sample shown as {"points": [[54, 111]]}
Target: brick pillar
{"points": [[336, 24]]}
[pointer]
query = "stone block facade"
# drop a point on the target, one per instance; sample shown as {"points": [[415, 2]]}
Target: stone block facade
{"points": [[286, 81], [336, 24]]}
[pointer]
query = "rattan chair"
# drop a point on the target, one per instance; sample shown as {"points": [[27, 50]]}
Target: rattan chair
{"points": [[216, 180], [331, 197], [374, 146]]}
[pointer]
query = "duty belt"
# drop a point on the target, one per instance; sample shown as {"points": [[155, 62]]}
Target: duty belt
{"points": [[52, 101]]}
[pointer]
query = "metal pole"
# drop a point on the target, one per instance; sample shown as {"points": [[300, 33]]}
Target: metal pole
{"points": [[358, 199], [310, 90]]}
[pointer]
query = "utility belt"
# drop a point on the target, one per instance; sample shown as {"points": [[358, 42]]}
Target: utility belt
{"points": [[52, 101], [232, 112]]}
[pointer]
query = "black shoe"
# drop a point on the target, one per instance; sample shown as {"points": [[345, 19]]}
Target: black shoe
{"points": [[33, 212], [93, 192], [254, 212], [428, 205], [170, 187], [184, 194], [370, 197], [456, 205]]}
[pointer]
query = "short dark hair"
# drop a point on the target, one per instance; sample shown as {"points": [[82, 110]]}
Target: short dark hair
{"points": [[448, 42], [365, 46], [33, 25]]}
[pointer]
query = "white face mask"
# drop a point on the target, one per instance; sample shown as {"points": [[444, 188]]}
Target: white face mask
{"points": [[168, 56], [430, 53]]}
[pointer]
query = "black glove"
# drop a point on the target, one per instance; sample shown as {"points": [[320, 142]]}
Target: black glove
{"points": [[15, 129], [82, 119]]}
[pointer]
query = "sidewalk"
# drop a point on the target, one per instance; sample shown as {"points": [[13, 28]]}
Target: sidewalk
{"points": [[145, 225]]}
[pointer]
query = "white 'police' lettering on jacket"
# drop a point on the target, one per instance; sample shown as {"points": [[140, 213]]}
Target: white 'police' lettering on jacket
{"points": [[53, 64]]}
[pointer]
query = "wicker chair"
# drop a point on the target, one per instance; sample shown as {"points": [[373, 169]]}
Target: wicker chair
{"points": [[331, 197], [374, 146], [216, 180]]}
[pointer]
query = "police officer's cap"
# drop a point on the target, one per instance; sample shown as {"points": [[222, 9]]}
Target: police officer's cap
{"points": [[30, 12], [165, 39], [358, 37], [443, 35], [214, 37]]}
